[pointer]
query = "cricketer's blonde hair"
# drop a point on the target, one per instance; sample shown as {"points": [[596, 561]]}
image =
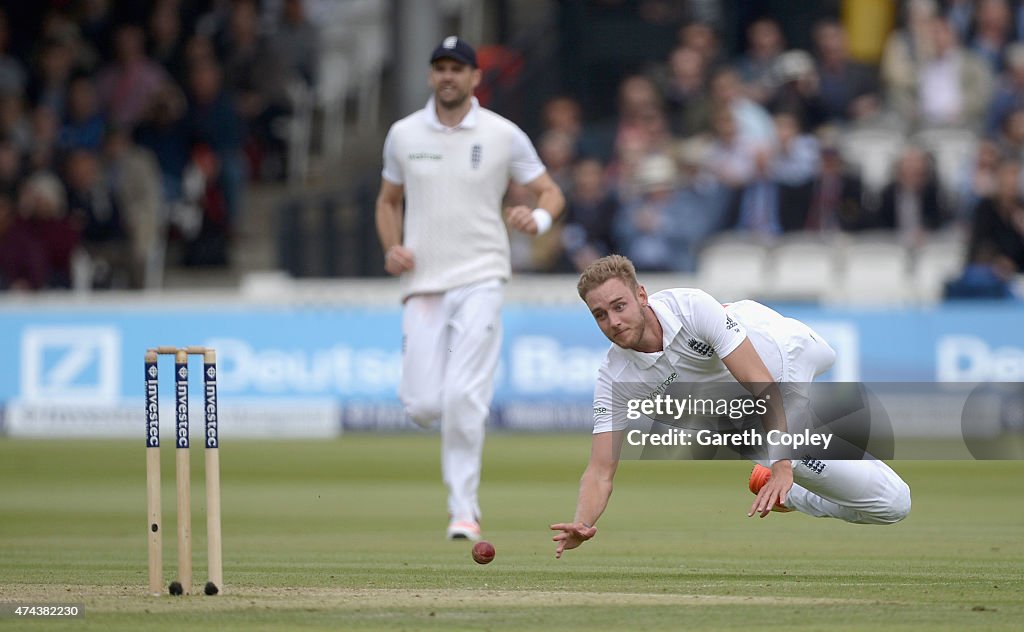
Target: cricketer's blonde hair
{"points": [[605, 268]]}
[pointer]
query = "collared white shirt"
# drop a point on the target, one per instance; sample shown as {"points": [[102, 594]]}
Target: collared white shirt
{"points": [[940, 91], [454, 179], [698, 332]]}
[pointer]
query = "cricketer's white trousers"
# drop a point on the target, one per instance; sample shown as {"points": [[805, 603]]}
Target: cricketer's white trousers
{"points": [[866, 491], [451, 342]]}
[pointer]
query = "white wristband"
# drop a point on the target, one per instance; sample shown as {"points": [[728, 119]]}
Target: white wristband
{"points": [[543, 219]]}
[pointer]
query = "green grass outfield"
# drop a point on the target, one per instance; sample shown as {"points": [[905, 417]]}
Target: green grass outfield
{"points": [[348, 535]]}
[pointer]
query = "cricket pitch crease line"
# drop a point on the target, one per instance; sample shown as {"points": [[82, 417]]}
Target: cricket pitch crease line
{"points": [[110, 598]]}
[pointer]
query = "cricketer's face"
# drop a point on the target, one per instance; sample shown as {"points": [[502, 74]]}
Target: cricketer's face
{"points": [[619, 311], [453, 82]]}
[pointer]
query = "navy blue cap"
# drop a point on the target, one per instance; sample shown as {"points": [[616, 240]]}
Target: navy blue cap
{"points": [[453, 47]]}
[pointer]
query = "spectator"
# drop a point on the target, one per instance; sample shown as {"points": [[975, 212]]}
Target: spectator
{"points": [[837, 196], [49, 84], [298, 39], [133, 175], [756, 66], [730, 158], [23, 264], [905, 49], [45, 129], [562, 113], [164, 131], [797, 90], [127, 84], [978, 181], [1011, 140], [255, 74], [793, 169], [214, 23], [993, 32], [11, 164], [95, 20], [758, 211], [648, 228], [199, 49], [104, 231], [848, 89], [1017, 17], [213, 121], [910, 203], [960, 14], [753, 122], [641, 128], [167, 46], [557, 151], [1009, 94], [701, 37], [702, 203], [999, 221], [986, 276], [590, 213], [686, 93], [12, 73], [14, 125], [59, 26], [84, 124], [951, 87], [42, 208]]}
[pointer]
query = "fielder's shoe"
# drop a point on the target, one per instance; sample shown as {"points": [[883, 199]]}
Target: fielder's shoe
{"points": [[758, 477], [463, 530]]}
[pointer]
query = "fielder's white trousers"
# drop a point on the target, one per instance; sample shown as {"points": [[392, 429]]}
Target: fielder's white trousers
{"points": [[867, 491], [451, 342]]}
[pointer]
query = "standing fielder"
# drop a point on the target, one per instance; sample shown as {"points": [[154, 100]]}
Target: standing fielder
{"points": [[451, 162], [688, 333]]}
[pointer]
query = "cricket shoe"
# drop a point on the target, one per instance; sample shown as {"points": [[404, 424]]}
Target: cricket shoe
{"points": [[758, 477], [463, 530]]}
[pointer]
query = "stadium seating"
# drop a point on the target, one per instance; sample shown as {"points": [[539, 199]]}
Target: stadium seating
{"points": [[873, 153], [936, 262], [733, 267], [875, 271], [803, 268], [952, 149]]}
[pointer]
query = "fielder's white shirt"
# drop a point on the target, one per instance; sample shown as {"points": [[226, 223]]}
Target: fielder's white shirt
{"points": [[454, 180], [698, 332]]}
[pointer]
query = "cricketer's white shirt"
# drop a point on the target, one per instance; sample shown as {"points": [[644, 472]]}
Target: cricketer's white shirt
{"points": [[454, 180], [698, 332]]}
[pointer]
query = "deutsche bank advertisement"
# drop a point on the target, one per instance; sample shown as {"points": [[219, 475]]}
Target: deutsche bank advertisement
{"points": [[74, 370]]}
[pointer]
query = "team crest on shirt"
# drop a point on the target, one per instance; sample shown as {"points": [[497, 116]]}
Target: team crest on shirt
{"points": [[475, 156], [701, 348]]}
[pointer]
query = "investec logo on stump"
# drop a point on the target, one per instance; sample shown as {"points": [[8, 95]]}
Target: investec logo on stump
{"points": [[210, 396], [152, 406], [181, 399]]}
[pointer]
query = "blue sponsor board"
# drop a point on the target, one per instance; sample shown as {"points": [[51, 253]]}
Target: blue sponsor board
{"points": [[64, 354]]}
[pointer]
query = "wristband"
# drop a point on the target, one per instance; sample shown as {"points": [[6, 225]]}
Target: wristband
{"points": [[543, 219]]}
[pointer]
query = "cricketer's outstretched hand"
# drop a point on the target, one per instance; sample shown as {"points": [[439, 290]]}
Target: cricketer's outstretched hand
{"points": [[775, 490], [572, 534]]}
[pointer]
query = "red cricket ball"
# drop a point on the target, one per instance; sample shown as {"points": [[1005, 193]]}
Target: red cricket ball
{"points": [[483, 552]]}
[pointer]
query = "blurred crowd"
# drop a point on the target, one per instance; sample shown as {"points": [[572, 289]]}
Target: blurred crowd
{"points": [[761, 143], [128, 129], [125, 124]]}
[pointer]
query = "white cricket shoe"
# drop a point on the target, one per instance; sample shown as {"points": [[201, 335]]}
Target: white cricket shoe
{"points": [[463, 530]]}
